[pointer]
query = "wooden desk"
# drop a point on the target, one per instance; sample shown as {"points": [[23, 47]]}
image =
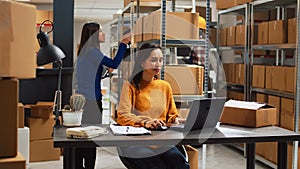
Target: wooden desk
{"points": [[220, 135]]}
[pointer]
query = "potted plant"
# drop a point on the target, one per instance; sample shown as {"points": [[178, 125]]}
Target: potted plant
{"points": [[72, 114]]}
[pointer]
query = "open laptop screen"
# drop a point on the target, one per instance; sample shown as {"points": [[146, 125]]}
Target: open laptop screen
{"points": [[203, 113]]}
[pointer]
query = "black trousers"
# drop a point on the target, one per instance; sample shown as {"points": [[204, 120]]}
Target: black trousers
{"points": [[86, 157]]}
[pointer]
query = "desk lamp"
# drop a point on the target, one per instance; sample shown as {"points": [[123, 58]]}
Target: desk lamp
{"points": [[49, 53]]}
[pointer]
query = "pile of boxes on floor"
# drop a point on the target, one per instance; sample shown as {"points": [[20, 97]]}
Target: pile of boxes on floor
{"points": [[18, 61]]}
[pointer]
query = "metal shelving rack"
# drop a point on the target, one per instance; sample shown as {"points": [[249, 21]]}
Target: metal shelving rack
{"points": [[137, 7], [243, 10], [249, 9]]}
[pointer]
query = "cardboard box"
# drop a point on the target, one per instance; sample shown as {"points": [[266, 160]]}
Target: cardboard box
{"points": [[230, 36], [188, 25], [278, 28], [240, 35], [42, 15], [278, 76], [239, 73], [261, 98], [292, 29], [232, 70], [193, 156], [213, 36], [290, 81], [235, 95], [148, 25], [43, 150], [185, 79], [9, 99], [17, 40], [40, 128], [275, 102], [221, 4], [138, 29], [245, 114], [17, 162], [223, 37], [263, 33], [275, 78], [42, 110], [201, 10], [258, 76], [21, 115], [290, 156], [287, 114], [261, 16], [267, 150], [226, 71]]}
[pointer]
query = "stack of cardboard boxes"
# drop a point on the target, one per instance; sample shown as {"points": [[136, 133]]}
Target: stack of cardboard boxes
{"points": [[17, 61], [40, 123], [149, 27]]}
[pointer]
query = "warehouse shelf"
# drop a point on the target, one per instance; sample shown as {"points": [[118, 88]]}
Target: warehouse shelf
{"points": [[274, 92], [264, 5], [261, 47], [274, 47], [249, 48], [231, 48], [234, 85], [177, 43], [236, 9]]}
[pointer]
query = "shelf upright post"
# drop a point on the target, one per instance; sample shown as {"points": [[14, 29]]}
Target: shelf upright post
{"points": [[246, 53], [163, 36], [297, 95], [206, 64], [119, 69]]}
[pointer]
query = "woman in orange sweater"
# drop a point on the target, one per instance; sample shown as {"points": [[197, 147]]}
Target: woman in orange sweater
{"points": [[147, 101]]}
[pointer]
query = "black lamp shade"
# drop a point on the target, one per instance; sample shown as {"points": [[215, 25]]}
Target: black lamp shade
{"points": [[48, 53]]}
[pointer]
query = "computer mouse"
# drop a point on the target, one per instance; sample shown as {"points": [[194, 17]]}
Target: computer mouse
{"points": [[161, 128]]}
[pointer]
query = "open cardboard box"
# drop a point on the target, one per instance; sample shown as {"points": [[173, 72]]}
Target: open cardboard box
{"points": [[42, 110], [250, 114]]}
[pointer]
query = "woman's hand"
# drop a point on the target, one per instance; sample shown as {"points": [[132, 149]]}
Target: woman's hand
{"points": [[180, 120], [126, 38], [154, 123]]}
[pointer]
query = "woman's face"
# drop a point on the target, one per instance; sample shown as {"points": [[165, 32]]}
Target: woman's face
{"points": [[152, 65], [101, 36]]}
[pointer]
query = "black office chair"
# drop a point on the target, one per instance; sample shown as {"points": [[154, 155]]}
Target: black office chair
{"points": [[129, 165]]}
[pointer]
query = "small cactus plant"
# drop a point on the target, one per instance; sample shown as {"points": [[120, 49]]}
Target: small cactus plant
{"points": [[67, 107], [77, 102]]}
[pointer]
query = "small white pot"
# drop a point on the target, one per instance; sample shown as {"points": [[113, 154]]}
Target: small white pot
{"points": [[72, 118]]}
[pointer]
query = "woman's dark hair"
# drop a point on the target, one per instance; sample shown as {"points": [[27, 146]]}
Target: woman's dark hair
{"points": [[142, 54], [89, 29]]}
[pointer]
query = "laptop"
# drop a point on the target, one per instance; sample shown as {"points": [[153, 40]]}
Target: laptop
{"points": [[203, 114]]}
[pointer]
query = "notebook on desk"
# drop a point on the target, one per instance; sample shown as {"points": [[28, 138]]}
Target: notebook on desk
{"points": [[203, 114]]}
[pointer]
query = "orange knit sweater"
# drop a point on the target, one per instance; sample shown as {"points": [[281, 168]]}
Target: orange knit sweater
{"points": [[153, 100]]}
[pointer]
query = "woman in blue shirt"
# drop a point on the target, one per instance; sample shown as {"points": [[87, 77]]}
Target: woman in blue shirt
{"points": [[89, 69]]}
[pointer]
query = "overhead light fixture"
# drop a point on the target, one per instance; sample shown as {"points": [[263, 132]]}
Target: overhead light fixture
{"points": [[49, 53]]}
